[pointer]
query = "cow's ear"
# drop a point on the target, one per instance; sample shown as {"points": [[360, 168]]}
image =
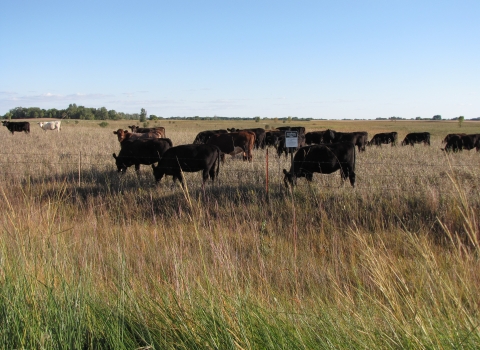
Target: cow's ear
{"points": [[115, 132], [114, 156]]}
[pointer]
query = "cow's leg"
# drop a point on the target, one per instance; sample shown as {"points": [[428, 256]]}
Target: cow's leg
{"points": [[351, 176]]}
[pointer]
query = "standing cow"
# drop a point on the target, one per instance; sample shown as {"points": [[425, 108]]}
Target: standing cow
{"points": [[142, 151], [384, 138], [53, 125], [234, 143], [323, 159], [416, 137], [189, 159], [17, 126]]}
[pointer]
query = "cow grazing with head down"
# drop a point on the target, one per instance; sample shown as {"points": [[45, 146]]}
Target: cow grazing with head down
{"points": [[459, 142], [234, 143], [203, 136], [143, 151], [189, 159], [125, 135], [157, 129], [53, 125], [384, 138], [323, 159], [17, 126], [449, 136], [416, 137]]}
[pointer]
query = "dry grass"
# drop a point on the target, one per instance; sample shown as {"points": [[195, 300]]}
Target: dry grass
{"points": [[391, 263]]}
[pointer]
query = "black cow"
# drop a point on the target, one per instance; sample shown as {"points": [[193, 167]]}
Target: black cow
{"points": [[272, 137], [323, 159], [203, 136], [384, 138], [188, 158], [358, 138], [459, 142], [141, 151], [17, 126], [416, 137], [317, 137], [300, 129], [449, 136], [281, 148]]}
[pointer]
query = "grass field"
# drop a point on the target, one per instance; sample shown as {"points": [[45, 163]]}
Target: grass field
{"points": [[92, 259]]}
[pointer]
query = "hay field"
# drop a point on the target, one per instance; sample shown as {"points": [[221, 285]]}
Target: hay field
{"points": [[92, 259]]}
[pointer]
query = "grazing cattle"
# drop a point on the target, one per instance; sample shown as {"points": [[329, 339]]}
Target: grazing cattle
{"points": [[384, 138], [188, 158], [53, 125], [157, 129], [125, 135], [449, 136], [203, 136], [323, 159], [17, 126], [234, 143], [459, 142], [260, 134], [281, 145], [416, 137], [454, 143], [147, 151]]}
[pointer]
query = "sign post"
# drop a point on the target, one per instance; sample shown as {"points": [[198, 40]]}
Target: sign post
{"points": [[291, 142]]}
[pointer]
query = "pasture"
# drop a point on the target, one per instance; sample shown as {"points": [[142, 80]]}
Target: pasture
{"points": [[93, 259]]}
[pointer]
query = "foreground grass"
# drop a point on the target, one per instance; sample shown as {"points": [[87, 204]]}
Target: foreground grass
{"points": [[118, 263]]}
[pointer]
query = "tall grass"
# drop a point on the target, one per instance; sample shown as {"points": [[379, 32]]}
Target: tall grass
{"points": [[119, 263]]}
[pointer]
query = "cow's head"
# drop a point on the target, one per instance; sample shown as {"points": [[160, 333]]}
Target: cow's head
{"points": [[121, 134], [289, 178], [41, 124], [121, 167], [157, 172]]}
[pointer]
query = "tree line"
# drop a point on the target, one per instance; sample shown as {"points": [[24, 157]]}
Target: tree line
{"points": [[72, 112]]}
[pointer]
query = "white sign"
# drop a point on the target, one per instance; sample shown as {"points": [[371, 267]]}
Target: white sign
{"points": [[291, 139]]}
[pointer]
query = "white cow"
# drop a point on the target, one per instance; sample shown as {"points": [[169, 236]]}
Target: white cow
{"points": [[50, 125]]}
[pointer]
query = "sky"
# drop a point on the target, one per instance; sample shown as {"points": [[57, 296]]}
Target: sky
{"points": [[306, 59]]}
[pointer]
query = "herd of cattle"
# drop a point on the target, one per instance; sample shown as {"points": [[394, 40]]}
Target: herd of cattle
{"points": [[317, 152]]}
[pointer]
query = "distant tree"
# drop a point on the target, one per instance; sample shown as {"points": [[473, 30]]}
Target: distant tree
{"points": [[153, 117], [143, 115], [257, 119], [289, 119], [461, 120], [101, 114], [437, 117]]}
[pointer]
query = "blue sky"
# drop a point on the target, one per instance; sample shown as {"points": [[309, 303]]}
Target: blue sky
{"points": [[306, 59]]}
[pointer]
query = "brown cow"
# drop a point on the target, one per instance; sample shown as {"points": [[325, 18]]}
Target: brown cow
{"points": [[125, 135], [158, 129], [234, 143]]}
